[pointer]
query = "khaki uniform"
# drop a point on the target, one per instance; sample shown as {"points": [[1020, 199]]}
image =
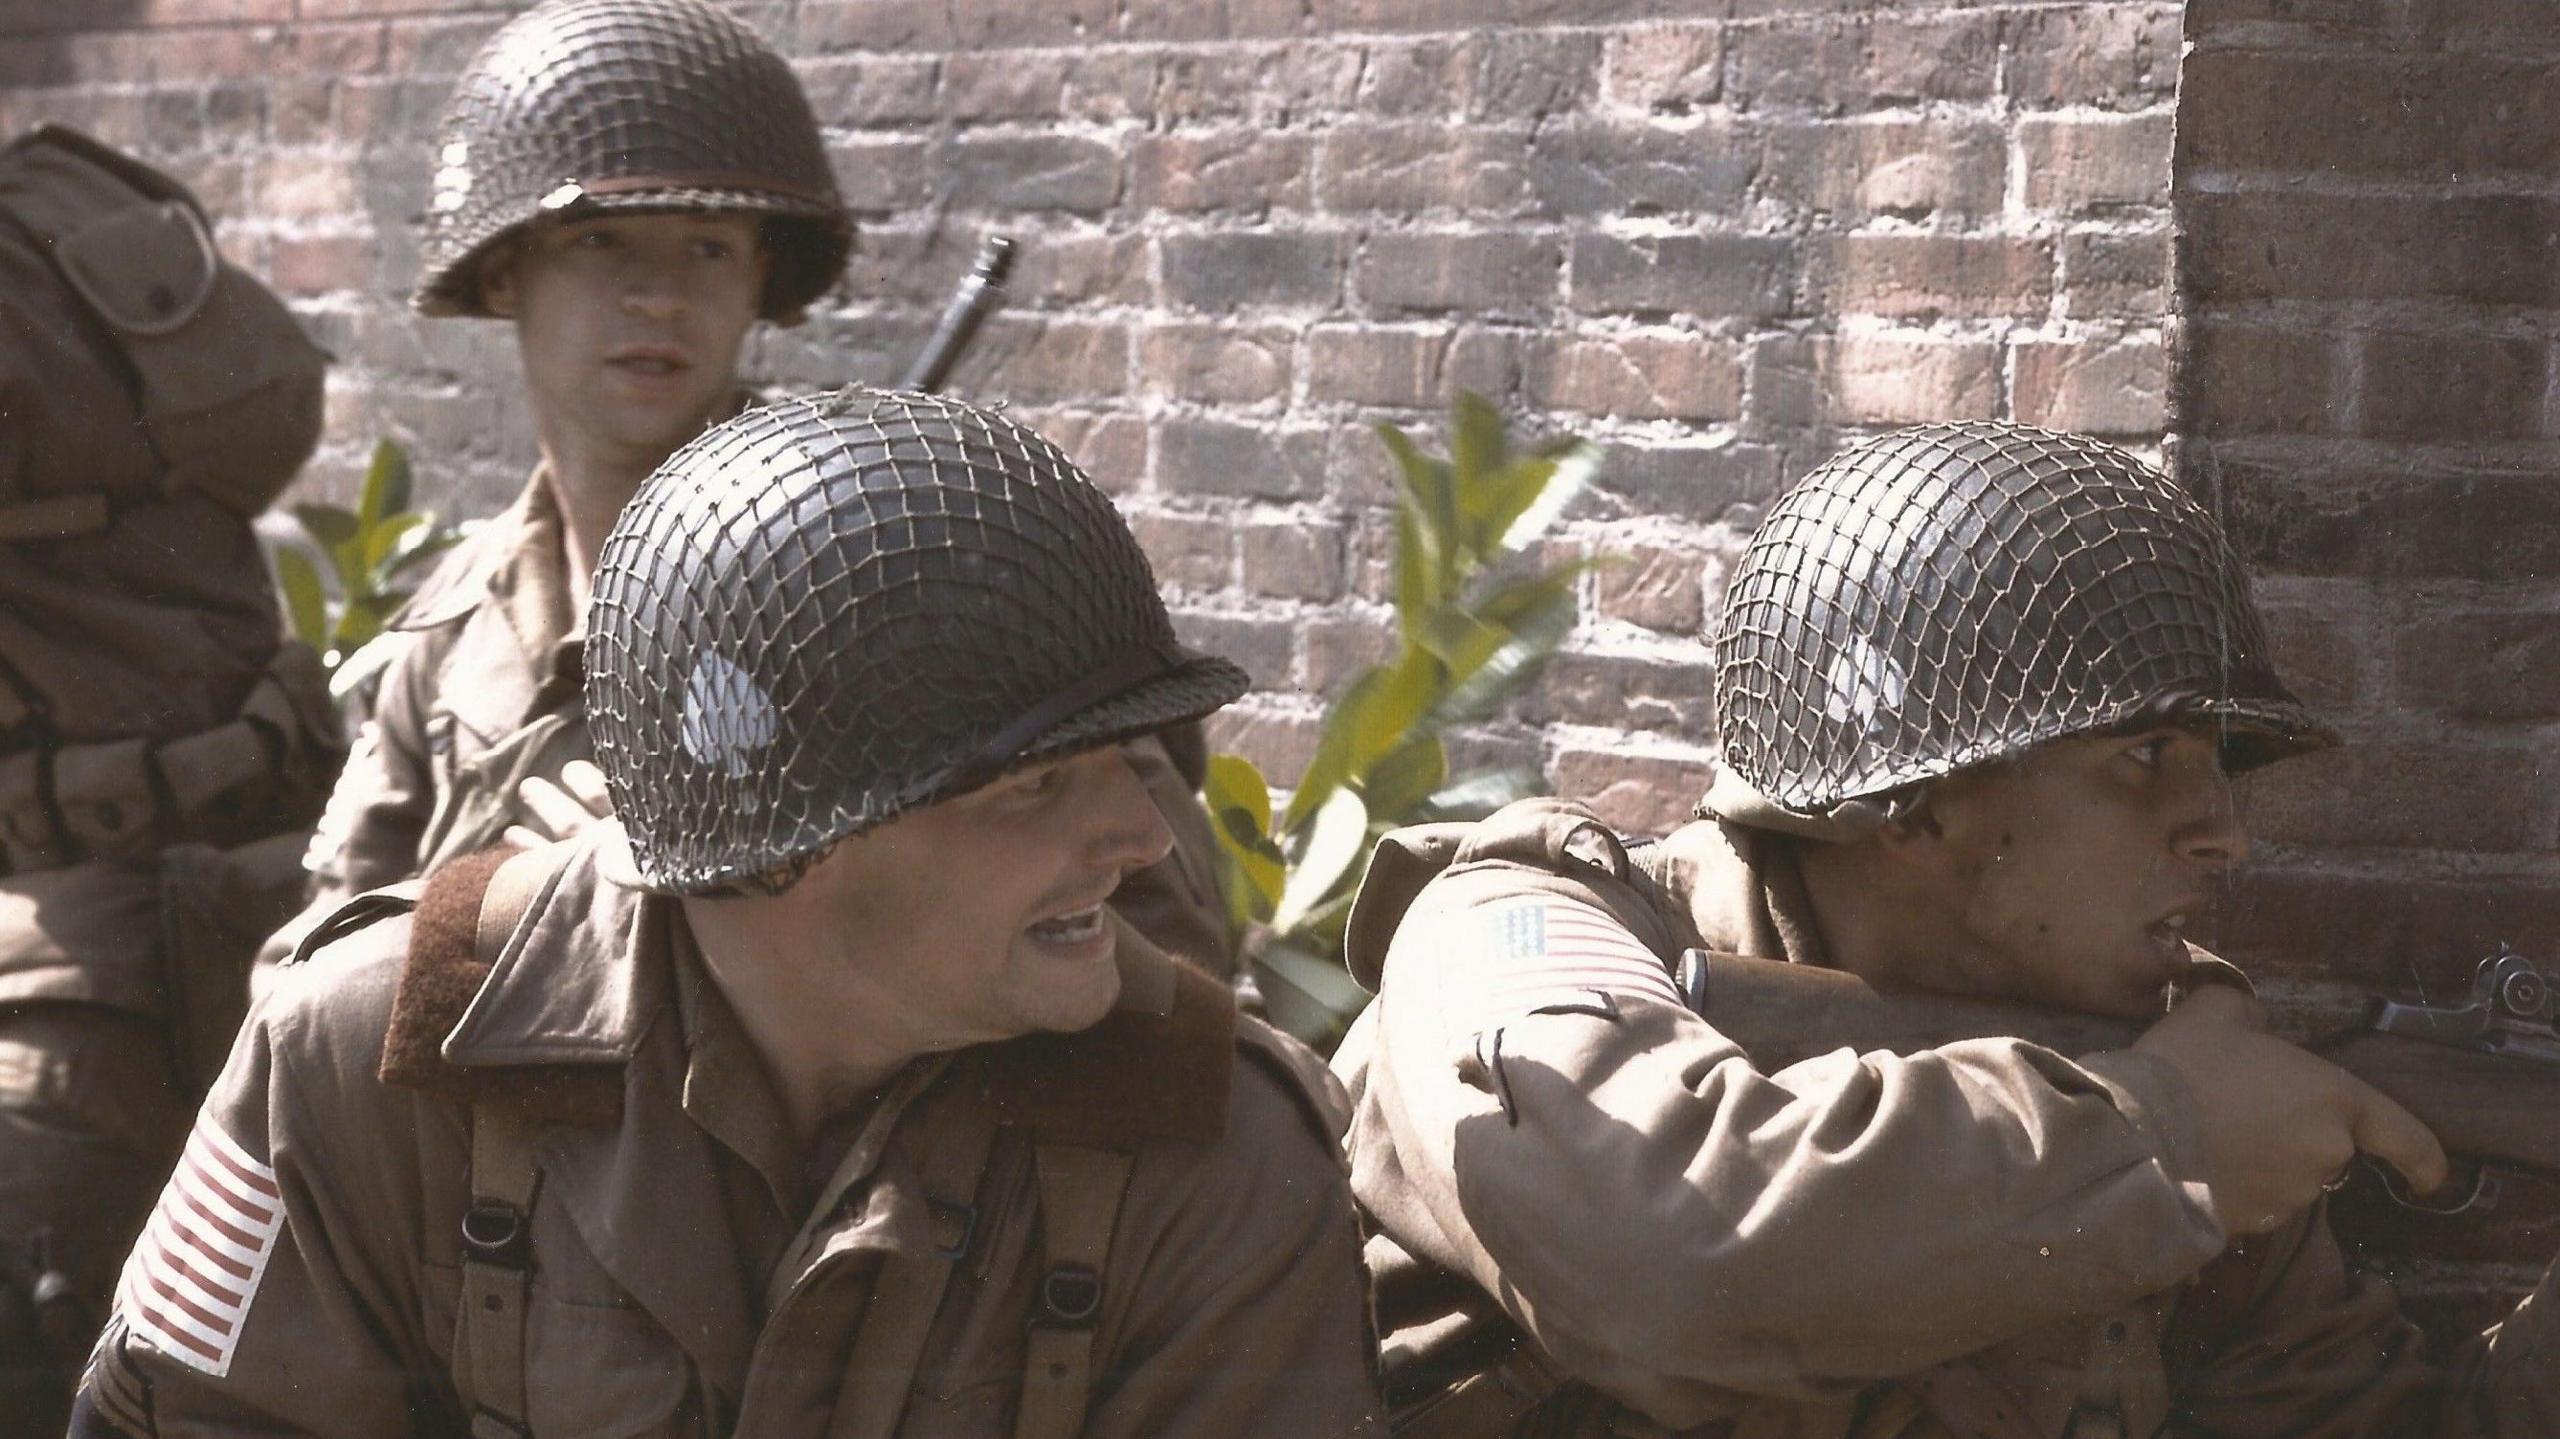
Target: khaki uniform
{"points": [[693, 1271], [486, 693], [1980, 1239]]}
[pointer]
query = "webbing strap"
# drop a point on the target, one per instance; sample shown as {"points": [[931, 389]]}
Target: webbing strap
{"points": [[497, 1270], [888, 1344], [497, 1230], [1080, 1190]]}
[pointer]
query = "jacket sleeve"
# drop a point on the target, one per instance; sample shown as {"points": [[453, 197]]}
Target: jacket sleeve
{"points": [[1248, 1314], [275, 1289], [2324, 1350], [1541, 1116], [377, 813]]}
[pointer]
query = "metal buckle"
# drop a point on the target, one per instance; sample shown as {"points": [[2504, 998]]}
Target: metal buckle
{"points": [[493, 1232], [1070, 1296], [965, 1215]]}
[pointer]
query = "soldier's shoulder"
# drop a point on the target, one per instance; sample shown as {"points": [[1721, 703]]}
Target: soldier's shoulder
{"points": [[339, 983], [458, 582]]}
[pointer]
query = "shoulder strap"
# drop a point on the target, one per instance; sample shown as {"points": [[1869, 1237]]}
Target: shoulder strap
{"points": [[505, 1175], [1080, 1193], [888, 1343]]}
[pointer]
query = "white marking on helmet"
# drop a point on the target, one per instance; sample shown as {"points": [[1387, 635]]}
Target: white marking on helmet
{"points": [[1861, 683], [727, 715], [453, 176]]}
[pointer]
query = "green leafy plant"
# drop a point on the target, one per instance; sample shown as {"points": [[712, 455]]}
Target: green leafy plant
{"points": [[370, 554], [1472, 627]]}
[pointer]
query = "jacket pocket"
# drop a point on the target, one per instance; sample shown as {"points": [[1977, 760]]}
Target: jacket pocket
{"points": [[602, 1371]]}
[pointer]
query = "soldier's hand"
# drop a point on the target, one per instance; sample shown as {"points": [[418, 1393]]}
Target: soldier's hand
{"points": [[2280, 1123], [558, 811]]}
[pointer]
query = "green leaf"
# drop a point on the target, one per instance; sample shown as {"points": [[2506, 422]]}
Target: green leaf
{"points": [[306, 603], [1233, 782], [1338, 839], [1414, 576], [1537, 612], [1400, 781], [327, 524], [381, 544], [1479, 451], [1477, 795], [419, 546], [386, 484], [1565, 477], [1431, 497], [359, 621]]}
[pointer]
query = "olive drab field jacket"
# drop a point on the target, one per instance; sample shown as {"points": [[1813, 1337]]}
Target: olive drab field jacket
{"points": [[485, 693], [1585, 1202], [692, 1271]]}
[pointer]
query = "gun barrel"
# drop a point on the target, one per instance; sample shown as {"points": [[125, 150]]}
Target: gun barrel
{"points": [[978, 296]]}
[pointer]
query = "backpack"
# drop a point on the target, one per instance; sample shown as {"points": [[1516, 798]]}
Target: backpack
{"points": [[153, 398]]}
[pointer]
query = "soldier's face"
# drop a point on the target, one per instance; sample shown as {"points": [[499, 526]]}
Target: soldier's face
{"points": [[977, 919], [2076, 869], [629, 326]]}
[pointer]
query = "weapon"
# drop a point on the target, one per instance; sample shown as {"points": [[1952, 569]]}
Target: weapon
{"points": [[2484, 1074], [978, 296]]}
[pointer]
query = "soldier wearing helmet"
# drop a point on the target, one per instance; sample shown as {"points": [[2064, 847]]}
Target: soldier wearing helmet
{"points": [[819, 1092], [1979, 688], [632, 185]]}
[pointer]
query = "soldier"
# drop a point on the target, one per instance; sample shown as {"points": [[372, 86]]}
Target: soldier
{"points": [[633, 184], [1980, 688], [833, 1099]]}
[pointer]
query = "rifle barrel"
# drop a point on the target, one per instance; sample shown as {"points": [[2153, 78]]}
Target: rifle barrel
{"points": [[978, 296]]}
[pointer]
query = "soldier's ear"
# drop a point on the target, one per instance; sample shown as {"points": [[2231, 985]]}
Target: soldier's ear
{"points": [[497, 281]]}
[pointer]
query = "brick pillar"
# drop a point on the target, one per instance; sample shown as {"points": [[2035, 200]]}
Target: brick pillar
{"points": [[2367, 292]]}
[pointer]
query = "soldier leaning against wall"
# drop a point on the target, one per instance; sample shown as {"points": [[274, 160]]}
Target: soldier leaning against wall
{"points": [[632, 184]]}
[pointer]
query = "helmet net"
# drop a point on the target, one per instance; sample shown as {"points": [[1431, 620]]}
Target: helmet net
{"points": [[1943, 596], [826, 612]]}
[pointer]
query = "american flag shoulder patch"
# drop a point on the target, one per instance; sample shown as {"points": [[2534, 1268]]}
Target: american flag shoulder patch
{"points": [[188, 1284], [1546, 952]]}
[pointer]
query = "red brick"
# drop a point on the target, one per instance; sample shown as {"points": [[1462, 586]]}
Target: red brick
{"points": [[1930, 276], [1666, 69], [2396, 931], [879, 173], [2080, 165], [435, 48], [1407, 368], [2289, 245], [1262, 645], [1066, 271], [1274, 86], [2457, 388], [1278, 741], [2115, 274], [1217, 363], [1649, 585], [1407, 169], [1863, 62], [1002, 23], [2112, 55], [1224, 270], [2317, 516], [1041, 360], [2245, 379], [1241, 170], [878, 26], [1581, 169], [2316, 635], [320, 264], [2405, 797], [303, 111], [304, 185], [2369, 115], [1908, 378], [2095, 387], [1294, 561], [1002, 85], [1030, 172], [1337, 646], [1220, 457], [1110, 448], [1499, 273], [1530, 74], [2493, 666], [1705, 275], [1638, 377], [1642, 694], [1194, 553], [863, 90], [1909, 169], [1192, 20], [1638, 792]]}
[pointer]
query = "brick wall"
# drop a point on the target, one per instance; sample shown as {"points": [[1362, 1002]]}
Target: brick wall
{"points": [[2368, 290], [1716, 236]]}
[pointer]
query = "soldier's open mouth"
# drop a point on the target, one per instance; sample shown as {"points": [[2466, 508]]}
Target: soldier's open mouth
{"points": [[1076, 928]]}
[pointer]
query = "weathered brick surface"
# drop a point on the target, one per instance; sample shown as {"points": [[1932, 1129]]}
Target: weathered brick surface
{"points": [[2367, 302]]}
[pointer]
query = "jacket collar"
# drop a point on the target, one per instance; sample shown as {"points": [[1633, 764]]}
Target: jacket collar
{"points": [[571, 985]]}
